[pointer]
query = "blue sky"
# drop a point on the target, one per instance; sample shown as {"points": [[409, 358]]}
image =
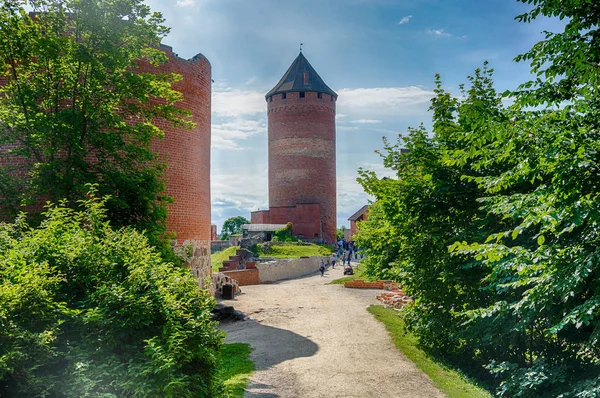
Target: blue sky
{"points": [[380, 56]]}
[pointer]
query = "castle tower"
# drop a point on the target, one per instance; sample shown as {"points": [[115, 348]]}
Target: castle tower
{"points": [[302, 173], [187, 157]]}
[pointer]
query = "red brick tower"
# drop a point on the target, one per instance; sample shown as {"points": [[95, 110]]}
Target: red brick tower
{"points": [[187, 155], [302, 174]]}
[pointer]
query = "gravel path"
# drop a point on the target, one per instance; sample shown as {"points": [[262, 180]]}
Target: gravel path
{"points": [[311, 339]]}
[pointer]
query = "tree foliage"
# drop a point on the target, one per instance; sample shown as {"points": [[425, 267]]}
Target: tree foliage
{"points": [[88, 310], [76, 110], [492, 221], [233, 226], [339, 233]]}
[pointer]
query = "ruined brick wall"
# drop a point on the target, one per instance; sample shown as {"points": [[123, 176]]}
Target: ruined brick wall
{"points": [[302, 154]]}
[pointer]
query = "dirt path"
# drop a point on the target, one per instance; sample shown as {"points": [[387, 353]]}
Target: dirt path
{"points": [[311, 339]]}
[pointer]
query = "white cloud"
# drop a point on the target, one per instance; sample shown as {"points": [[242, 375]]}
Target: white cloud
{"points": [[365, 103], [235, 102], [238, 191], [438, 33], [186, 3], [404, 20], [228, 135], [366, 121]]}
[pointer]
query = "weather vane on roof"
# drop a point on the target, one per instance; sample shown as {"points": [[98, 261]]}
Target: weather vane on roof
{"points": [[301, 46]]}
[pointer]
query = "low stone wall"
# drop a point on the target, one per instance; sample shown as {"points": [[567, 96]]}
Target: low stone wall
{"points": [[288, 268], [219, 245], [244, 277]]}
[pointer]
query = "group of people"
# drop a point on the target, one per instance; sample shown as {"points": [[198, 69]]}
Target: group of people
{"points": [[343, 252]]}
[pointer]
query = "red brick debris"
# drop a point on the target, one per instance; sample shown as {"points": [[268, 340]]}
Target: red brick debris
{"points": [[396, 299]]}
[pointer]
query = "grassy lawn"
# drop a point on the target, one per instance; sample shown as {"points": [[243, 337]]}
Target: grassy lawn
{"points": [[447, 380], [216, 259], [236, 368], [297, 251]]}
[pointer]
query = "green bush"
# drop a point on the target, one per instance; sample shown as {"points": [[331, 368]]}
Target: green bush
{"points": [[284, 234], [86, 310]]}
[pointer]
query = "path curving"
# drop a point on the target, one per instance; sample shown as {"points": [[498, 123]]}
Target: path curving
{"points": [[311, 339]]}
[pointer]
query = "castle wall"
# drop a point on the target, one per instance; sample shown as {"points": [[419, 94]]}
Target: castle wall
{"points": [[305, 218], [302, 160]]}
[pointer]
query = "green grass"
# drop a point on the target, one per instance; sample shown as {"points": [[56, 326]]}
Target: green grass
{"points": [[452, 383], [297, 251], [236, 368], [358, 274], [216, 259]]}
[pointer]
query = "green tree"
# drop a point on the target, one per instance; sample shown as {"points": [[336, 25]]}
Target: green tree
{"points": [[233, 226], [339, 233], [513, 194], [73, 105]]}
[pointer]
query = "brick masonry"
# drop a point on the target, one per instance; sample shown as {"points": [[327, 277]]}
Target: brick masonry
{"points": [[354, 225], [244, 277], [361, 284], [187, 155]]}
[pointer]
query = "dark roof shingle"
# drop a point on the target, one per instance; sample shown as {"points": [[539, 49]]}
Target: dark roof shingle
{"points": [[301, 77]]}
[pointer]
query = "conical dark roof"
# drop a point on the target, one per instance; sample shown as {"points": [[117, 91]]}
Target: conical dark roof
{"points": [[301, 76]]}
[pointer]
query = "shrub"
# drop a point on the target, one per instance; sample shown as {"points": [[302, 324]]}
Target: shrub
{"points": [[86, 310], [284, 234]]}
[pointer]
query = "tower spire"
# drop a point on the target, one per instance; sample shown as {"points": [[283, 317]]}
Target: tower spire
{"points": [[301, 44]]}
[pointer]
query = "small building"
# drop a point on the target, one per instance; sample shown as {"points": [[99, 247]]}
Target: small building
{"points": [[360, 215], [262, 231]]}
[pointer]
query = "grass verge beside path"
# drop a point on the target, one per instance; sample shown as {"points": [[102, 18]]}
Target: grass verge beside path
{"points": [[358, 274], [236, 368], [447, 380]]}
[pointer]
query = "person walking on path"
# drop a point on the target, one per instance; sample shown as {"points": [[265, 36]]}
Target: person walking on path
{"points": [[333, 261], [322, 268]]}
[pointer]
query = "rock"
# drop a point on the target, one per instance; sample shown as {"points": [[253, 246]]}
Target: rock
{"points": [[238, 315], [223, 309]]}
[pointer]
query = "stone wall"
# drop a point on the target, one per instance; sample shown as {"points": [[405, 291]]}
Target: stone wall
{"points": [[219, 245], [288, 268]]}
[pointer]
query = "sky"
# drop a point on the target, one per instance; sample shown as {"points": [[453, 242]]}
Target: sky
{"points": [[380, 56]]}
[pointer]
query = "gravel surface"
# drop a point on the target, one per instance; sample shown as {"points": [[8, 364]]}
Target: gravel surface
{"points": [[311, 339]]}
